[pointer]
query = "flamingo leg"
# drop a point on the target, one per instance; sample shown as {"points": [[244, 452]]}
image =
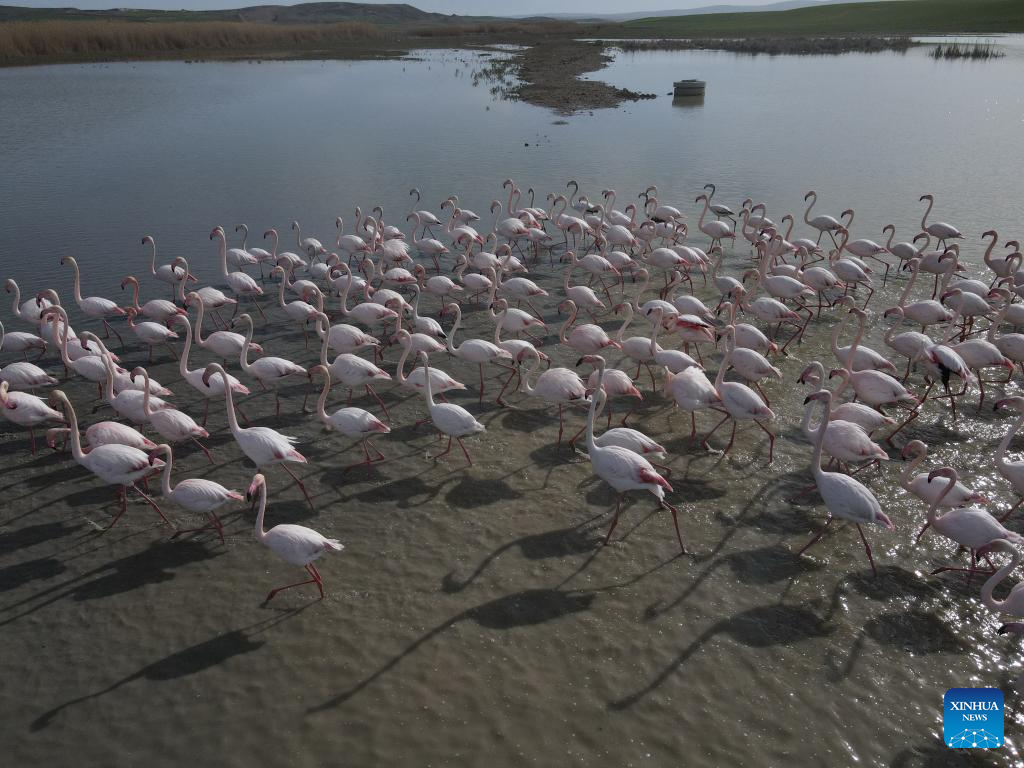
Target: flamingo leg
{"points": [[713, 430], [732, 438], [1012, 509], [817, 537], [867, 548], [615, 520], [464, 451], [561, 422], [314, 580], [382, 406], [151, 503], [771, 440], [446, 451], [675, 522], [111, 330], [206, 411], [204, 450], [301, 484]]}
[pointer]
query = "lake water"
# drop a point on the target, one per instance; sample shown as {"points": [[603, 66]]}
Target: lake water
{"points": [[472, 619]]}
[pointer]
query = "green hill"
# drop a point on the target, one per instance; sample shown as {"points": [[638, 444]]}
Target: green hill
{"points": [[880, 18]]}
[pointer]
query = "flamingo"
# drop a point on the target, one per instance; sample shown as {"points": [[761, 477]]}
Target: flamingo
{"points": [[718, 210], [151, 334], [692, 391], [266, 370], [475, 351], [716, 230], [240, 283], [927, 491], [224, 344], [173, 425], [740, 402], [750, 364], [440, 381], [295, 544], [196, 378], [264, 446], [30, 311], [351, 422], [105, 433], [448, 419], [26, 410], [1012, 471], [939, 229], [844, 497], [425, 325], [95, 307], [1013, 604], [970, 527], [129, 403], [845, 441], [349, 244], [195, 495], [821, 223], [19, 341], [353, 371], [429, 246], [299, 311], [260, 255], [172, 273], [114, 464], [863, 416], [615, 383], [427, 219], [23, 375], [160, 310], [625, 470], [557, 386]]}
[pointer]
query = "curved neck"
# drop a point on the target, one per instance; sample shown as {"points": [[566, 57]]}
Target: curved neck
{"points": [[910, 285], [183, 360], [145, 394], [933, 510], [525, 381], [625, 324], [78, 281], [807, 213], [76, 440], [108, 387], [931, 202], [989, 587], [259, 532], [819, 443], [563, 332], [321, 403], [16, 308], [280, 292], [400, 373], [655, 328], [837, 331], [427, 390], [152, 257], [592, 413], [844, 375], [165, 478], [703, 212], [451, 336], [135, 295], [1004, 444], [910, 469], [643, 288], [223, 247], [243, 355]]}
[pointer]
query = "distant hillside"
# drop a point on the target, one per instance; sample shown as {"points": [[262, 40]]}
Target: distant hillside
{"points": [[306, 13], [907, 17], [785, 5]]}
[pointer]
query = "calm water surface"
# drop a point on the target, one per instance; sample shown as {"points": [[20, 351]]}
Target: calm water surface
{"points": [[472, 619]]}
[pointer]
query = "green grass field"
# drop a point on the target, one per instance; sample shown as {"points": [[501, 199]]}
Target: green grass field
{"points": [[880, 18]]}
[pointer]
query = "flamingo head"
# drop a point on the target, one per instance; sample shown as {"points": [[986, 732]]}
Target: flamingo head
{"points": [[926, 196], [891, 311], [883, 519], [822, 394], [808, 376], [258, 480], [913, 449], [836, 372]]}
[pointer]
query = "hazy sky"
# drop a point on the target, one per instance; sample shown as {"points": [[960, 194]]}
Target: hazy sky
{"points": [[479, 7]]}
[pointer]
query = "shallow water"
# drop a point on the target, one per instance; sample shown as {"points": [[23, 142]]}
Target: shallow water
{"points": [[473, 615]]}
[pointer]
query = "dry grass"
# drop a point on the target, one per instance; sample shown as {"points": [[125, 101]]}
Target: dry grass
{"points": [[808, 46], [72, 40]]}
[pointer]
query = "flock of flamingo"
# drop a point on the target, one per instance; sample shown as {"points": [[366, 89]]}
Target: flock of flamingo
{"points": [[786, 284]]}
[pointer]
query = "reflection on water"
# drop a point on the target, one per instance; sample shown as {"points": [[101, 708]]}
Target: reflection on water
{"points": [[621, 655]]}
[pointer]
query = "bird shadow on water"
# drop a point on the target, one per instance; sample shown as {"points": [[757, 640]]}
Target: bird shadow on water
{"points": [[761, 566], [188, 661], [913, 629], [760, 627], [935, 754], [519, 609], [561, 542], [154, 565]]}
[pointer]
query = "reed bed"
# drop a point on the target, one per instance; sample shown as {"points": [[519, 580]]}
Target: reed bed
{"points": [[966, 51], [498, 29], [801, 46], [72, 40]]}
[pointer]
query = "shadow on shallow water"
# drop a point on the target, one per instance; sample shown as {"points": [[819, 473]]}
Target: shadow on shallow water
{"points": [[758, 627], [188, 661], [519, 609]]}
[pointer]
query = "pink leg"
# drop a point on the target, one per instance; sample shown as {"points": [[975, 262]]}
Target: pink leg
{"points": [[204, 449], [816, 538], [314, 580], [464, 451], [151, 503], [675, 522], [382, 406], [615, 520], [867, 548], [302, 485], [714, 429], [446, 451]]}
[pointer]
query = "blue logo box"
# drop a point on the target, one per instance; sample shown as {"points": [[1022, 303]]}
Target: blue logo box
{"points": [[973, 718]]}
